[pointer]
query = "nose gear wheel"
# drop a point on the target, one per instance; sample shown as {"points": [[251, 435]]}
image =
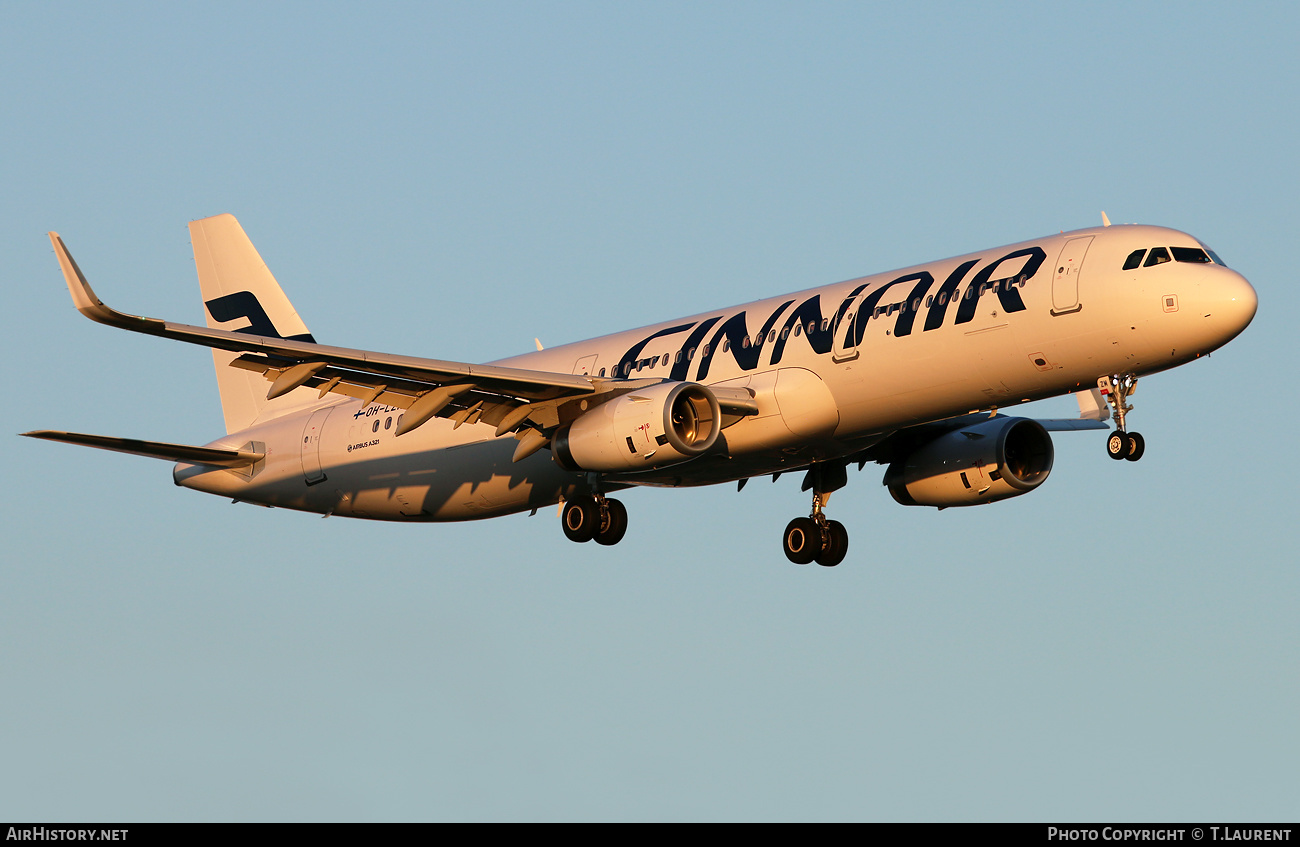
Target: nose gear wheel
{"points": [[1121, 444]]}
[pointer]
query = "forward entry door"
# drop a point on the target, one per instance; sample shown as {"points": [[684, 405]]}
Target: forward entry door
{"points": [[1065, 283]]}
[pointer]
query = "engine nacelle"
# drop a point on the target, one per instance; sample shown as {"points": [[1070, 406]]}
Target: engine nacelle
{"points": [[641, 430], [988, 461]]}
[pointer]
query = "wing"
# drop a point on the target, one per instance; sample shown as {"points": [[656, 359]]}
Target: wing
{"points": [[511, 398]]}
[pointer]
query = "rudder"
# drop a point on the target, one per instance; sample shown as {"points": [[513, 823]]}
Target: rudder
{"points": [[240, 294]]}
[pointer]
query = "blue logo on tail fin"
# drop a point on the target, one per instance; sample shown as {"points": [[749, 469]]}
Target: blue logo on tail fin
{"points": [[244, 304]]}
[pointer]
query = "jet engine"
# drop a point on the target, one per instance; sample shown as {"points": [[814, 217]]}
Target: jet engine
{"points": [[644, 429], [988, 461]]}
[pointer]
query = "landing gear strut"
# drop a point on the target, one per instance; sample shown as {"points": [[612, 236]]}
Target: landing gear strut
{"points": [[1117, 388], [815, 538], [596, 517]]}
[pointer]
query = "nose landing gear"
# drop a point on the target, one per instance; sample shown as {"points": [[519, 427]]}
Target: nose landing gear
{"points": [[1121, 444]]}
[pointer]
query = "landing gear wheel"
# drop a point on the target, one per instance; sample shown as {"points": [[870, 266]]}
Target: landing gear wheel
{"points": [[580, 519], [836, 545], [1122, 444], [613, 523], [802, 540], [1137, 445], [814, 538]]}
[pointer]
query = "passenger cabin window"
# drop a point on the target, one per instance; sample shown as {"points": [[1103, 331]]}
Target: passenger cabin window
{"points": [[1159, 256], [1190, 254], [1134, 259]]}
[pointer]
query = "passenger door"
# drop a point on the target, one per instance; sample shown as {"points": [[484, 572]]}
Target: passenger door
{"points": [[1065, 282]]}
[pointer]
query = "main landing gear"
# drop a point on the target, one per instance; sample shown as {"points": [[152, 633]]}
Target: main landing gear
{"points": [[1121, 444], [596, 517], [815, 538]]}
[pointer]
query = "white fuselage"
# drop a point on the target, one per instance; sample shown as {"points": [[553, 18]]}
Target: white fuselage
{"points": [[833, 370]]}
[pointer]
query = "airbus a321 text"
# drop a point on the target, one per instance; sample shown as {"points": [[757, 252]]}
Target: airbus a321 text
{"points": [[905, 369]]}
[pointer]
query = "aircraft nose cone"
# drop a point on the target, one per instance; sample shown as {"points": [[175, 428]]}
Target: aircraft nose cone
{"points": [[1235, 303]]}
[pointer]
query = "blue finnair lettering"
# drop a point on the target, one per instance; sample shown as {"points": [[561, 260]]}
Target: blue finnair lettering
{"points": [[939, 306], [744, 349], [1009, 295], [845, 330], [628, 362]]}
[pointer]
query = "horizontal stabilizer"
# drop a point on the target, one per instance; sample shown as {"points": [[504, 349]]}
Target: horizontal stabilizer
{"points": [[155, 449]]}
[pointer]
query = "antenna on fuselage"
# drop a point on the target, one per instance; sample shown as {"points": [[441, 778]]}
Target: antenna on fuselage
{"points": [[1105, 221]]}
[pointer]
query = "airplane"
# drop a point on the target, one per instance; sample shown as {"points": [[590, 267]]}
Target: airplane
{"points": [[907, 369]]}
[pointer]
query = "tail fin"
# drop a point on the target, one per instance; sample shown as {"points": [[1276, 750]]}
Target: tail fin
{"points": [[237, 288]]}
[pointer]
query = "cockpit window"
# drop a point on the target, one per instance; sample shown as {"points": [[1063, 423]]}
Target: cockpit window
{"points": [[1214, 256], [1159, 256], [1190, 254]]}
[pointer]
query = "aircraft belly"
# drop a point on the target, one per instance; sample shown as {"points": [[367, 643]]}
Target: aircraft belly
{"points": [[464, 482], [361, 469]]}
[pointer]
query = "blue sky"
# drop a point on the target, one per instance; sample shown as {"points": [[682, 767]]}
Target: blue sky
{"points": [[451, 180]]}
